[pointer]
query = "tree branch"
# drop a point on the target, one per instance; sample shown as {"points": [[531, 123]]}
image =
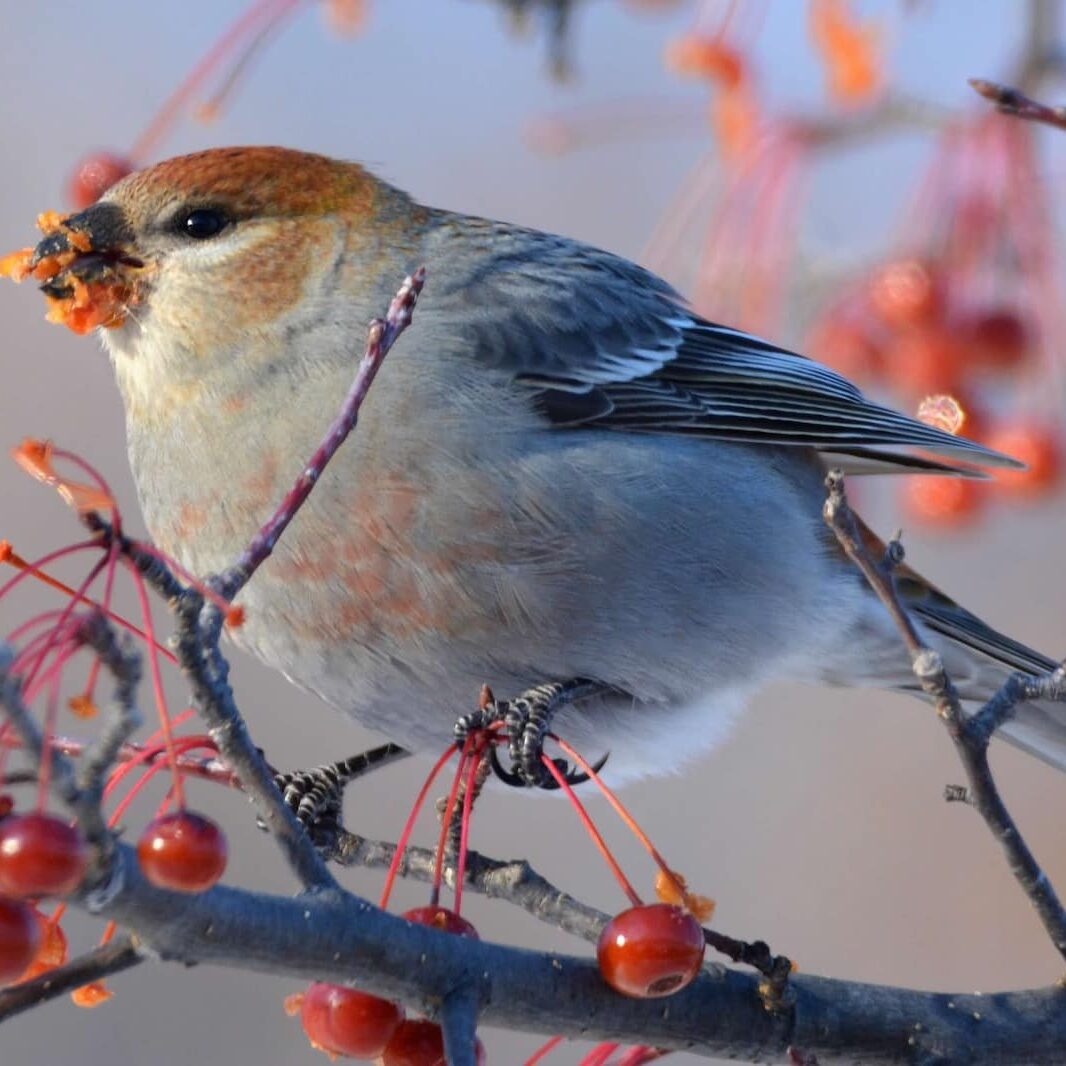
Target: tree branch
{"points": [[1015, 102], [970, 734], [108, 959]]}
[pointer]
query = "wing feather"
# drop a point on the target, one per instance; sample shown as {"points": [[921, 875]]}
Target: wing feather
{"points": [[601, 343]]}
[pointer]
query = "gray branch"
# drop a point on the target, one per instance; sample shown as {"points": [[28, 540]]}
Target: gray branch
{"points": [[334, 936], [970, 734]]}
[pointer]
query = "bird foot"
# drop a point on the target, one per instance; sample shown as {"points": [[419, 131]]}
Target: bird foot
{"points": [[316, 796], [526, 721]]}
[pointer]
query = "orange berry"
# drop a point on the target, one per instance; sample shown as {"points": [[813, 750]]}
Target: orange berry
{"points": [[906, 293], [735, 119], [94, 994], [942, 502], [847, 348], [1040, 447], [926, 360], [673, 888], [942, 412], [698, 56], [93, 176]]}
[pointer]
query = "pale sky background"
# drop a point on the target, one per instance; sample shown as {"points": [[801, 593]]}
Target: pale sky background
{"points": [[819, 827]]}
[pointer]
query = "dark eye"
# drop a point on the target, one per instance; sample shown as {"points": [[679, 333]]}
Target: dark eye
{"points": [[202, 223]]}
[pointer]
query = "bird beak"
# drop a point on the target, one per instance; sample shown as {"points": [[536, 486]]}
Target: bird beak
{"points": [[86, 267], [91, 247]]}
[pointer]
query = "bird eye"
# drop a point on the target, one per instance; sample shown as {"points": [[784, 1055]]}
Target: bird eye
{"points": [[201, 224]]}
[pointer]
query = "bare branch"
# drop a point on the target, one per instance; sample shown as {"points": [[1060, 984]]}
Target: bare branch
{"points": [[381, 336], [970, 734], [1014, 102], [117, 955], [333, 936], [458, 1019], [199, 629], [514, 881]]}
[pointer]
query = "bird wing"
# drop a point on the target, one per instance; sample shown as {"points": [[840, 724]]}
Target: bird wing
{"points": [[602, 343]]}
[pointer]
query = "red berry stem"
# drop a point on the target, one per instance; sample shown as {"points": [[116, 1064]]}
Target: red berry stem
{"points": [[592, 831], [157, 679], [623, 813], [409, 825], [150, 751], [599, 1055], [544, 1051], [446, 821], [28, 673], [100, 482], [642, 1054], [180, 748], [245, 24], [28, 569]]}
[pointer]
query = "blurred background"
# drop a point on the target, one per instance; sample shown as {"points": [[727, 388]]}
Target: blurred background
{"points": [[818, 171]]}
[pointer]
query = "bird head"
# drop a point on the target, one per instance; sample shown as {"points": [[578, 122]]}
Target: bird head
{"points": [[200, 260]]}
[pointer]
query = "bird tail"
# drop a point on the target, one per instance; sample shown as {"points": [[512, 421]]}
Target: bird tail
{"points": [[979, 660]]}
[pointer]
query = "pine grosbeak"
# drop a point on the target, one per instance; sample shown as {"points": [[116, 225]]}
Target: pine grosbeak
{"points": [[560, 473]]}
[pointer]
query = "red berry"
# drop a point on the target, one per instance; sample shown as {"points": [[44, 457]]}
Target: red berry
{"points": [[93, 176], [927, 359], [182, 851], [906, 293], [40, 856], [942, 502], [1040, 447], [342, 1021], [847, 348], [418, 1043], [997, 337], [20, 938], [442, 919], [650, 951]]}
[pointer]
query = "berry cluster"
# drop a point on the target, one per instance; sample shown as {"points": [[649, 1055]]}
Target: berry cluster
{"points": [[41, 855], [967, 313]]}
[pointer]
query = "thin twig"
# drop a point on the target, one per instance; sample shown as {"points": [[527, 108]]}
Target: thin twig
{"points": [[108, 959], [381, 336], [18, 714], [514, 881], [1014, 102], [198, 633], [970, 734], [120, 722]]}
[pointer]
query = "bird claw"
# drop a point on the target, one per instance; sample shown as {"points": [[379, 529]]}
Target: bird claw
{"points": [[527, 722], [316, 796]]}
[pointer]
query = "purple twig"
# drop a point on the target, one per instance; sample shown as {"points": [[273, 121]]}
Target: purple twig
{"points": [[381, 336], [1013, 101]]}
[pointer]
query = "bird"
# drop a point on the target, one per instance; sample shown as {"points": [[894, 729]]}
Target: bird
{"points": [[564, 482]]}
